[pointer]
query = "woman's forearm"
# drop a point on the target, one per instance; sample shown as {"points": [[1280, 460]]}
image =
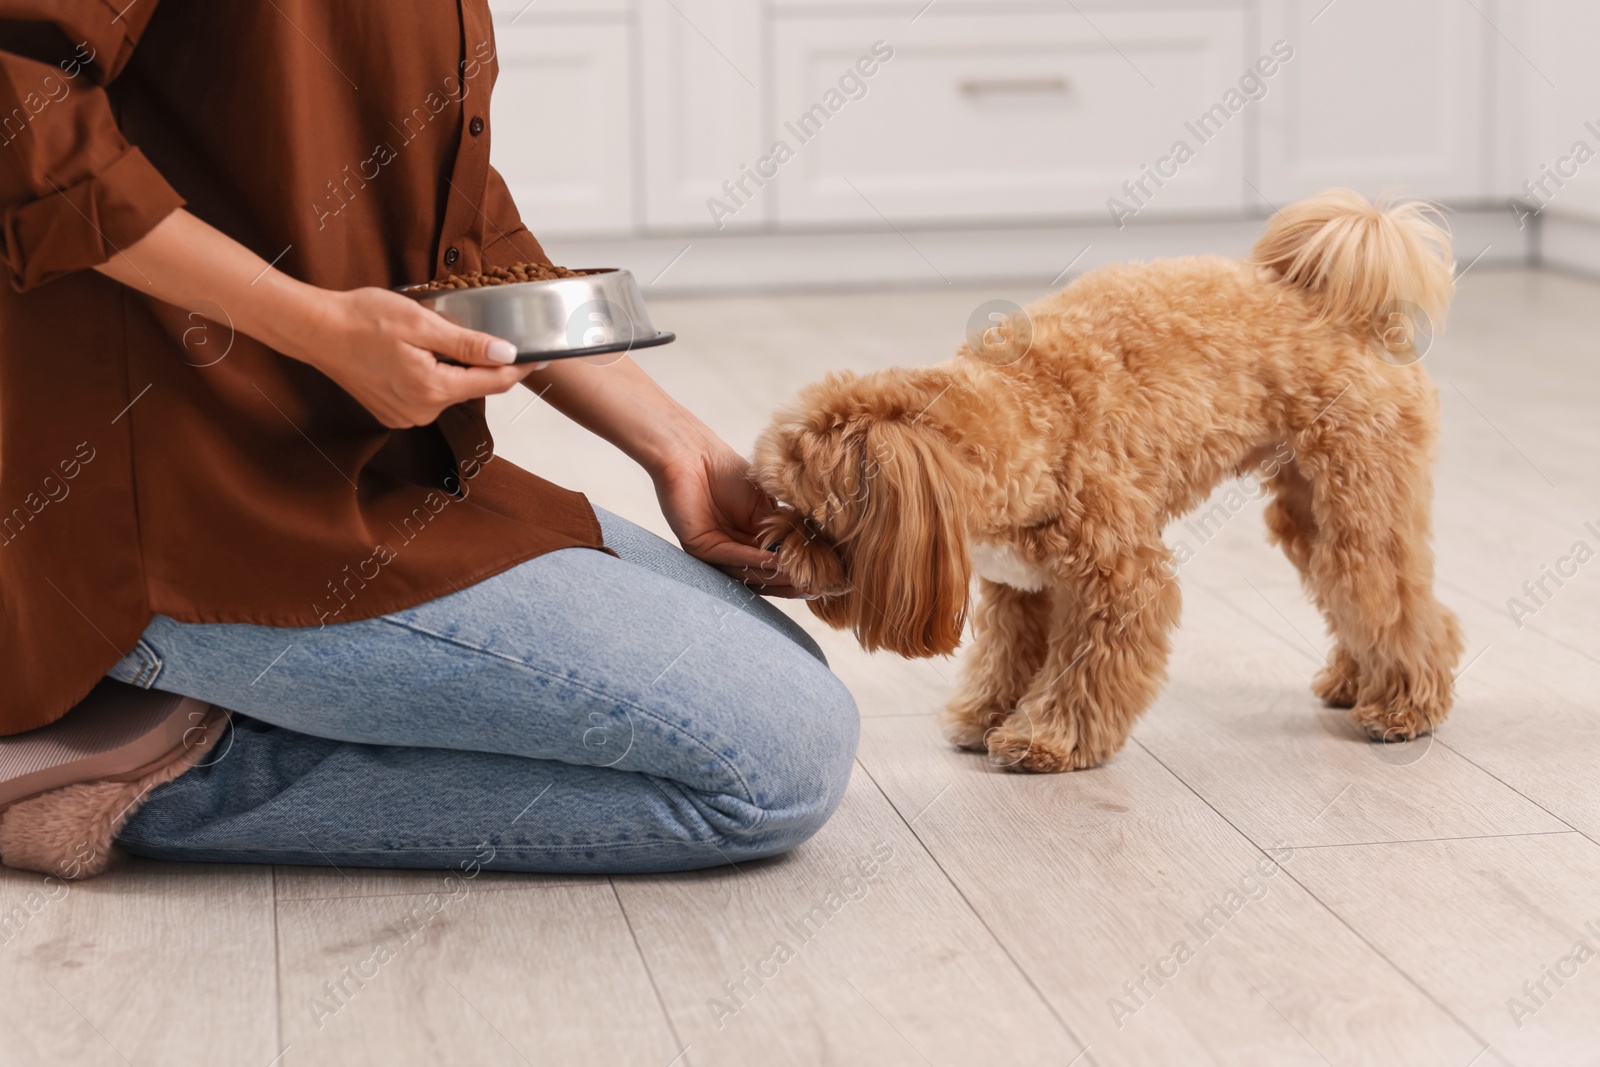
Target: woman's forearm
{"points": [[623, 404], [379, 346], [707, 495], [191, 264]]}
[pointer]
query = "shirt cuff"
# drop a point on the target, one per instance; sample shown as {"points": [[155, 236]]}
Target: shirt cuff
{"points": [[86, 224]]}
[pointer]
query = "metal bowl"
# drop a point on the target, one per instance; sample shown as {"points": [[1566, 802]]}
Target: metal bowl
{"points": [[563, 318]]}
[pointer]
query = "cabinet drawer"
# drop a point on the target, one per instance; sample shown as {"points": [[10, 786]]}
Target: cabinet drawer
{"points": [[1006, 116], [560, 125]]}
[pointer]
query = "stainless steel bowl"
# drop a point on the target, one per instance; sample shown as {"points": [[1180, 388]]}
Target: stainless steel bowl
{"points": [[564, 318]]}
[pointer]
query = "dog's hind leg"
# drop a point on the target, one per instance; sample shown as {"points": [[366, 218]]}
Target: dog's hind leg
{"points": [[1010, 628], [1106, 660], [1292, 526], [1371, 569]]}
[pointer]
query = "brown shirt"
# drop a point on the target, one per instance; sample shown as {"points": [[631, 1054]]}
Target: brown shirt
{"points": [[152, 461]]}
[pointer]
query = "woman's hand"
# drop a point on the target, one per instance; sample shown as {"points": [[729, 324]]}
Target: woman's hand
{"points": [[378, 345], [716, 510], [704, 486], [380, 348]]}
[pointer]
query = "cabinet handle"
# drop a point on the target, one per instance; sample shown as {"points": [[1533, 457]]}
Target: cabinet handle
{"points": [[1015, 86]]}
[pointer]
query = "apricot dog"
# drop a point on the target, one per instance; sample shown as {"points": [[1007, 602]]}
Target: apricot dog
{"points": [[1050, 473]]}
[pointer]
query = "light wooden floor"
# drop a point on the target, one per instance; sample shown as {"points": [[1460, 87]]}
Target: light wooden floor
{"points": [[1414, 889]]}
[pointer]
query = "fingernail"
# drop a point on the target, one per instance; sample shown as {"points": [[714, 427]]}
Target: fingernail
{"points": [[541, 366], [502, 351]]}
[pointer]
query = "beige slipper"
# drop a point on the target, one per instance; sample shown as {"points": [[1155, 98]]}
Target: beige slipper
{"points": [[67, 789]]}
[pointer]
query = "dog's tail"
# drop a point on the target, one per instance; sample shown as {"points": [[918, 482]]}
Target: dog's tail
{"points": [[1365, 266]]}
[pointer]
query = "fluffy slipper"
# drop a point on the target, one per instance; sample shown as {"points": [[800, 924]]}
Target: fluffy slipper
{"points": [[67, 789]]}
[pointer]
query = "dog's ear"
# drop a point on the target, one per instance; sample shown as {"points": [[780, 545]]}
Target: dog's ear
{"points": [[804, 554], [908, 551]]}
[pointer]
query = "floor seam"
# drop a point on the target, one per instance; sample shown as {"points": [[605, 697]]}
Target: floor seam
{"points": [[1430, 840], [1530, 627], [277, 968], [1340, 919], [1227, 602], [984, 922], [1474, 763], [425, 893], [649, 973]]}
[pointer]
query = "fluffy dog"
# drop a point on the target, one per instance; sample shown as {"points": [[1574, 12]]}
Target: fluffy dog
{"points": [[1050, 475]]}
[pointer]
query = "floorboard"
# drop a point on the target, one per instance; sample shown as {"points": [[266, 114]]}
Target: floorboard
{"points": [[543, 975], [1473, 921], [1090, 878], [856, 949], [149, 964]]}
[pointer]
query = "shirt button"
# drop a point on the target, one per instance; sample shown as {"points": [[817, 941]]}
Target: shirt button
{"points": [[476, 126], [451, 254]]}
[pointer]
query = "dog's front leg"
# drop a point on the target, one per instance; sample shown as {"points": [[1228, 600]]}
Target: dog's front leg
{"points": [[1010, 630], [1105, 661]]}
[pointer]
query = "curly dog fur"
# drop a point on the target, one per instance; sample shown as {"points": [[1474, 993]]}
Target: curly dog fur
{"points": [[1050, 473]]}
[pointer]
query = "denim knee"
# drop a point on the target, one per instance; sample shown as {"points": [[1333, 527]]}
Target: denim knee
{"points": [[808, 768]]}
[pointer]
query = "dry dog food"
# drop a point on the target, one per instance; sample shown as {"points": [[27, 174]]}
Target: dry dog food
{"points": [[522, 272]]}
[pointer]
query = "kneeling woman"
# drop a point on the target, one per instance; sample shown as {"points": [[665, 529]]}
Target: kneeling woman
{"points": [[283, 501]]}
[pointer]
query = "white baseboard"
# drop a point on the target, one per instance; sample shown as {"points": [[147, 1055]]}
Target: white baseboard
{"points": [[1570, 243], [1042, 255]]}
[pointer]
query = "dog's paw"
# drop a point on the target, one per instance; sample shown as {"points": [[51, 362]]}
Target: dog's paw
{"points": [[968, 727], [1392, 723], [1015, 746], [1337, 683]]}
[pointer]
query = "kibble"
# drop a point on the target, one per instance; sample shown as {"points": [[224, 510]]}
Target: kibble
{"points": [[522, 272]]}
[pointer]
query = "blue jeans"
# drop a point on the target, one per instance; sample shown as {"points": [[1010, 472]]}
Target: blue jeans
{"points": [[579, 713]]}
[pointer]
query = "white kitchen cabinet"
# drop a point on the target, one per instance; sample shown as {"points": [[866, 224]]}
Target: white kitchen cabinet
{"points": [[1007, 115], [562, 119], [703, 71], [629, 129], [1381, 95]]}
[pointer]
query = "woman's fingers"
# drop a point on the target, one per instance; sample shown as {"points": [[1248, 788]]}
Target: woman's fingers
{"points": [[754, 567], [731, 553], [458, 384], [444, 337], [765, 582], [384, 350], [418, 389]]}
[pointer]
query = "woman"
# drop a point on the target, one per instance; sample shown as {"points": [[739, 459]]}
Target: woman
{"points": [[235, 469]]}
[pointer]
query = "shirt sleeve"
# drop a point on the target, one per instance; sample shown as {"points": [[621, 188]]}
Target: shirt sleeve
{"points": [[73, 191], [506, 241]]}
